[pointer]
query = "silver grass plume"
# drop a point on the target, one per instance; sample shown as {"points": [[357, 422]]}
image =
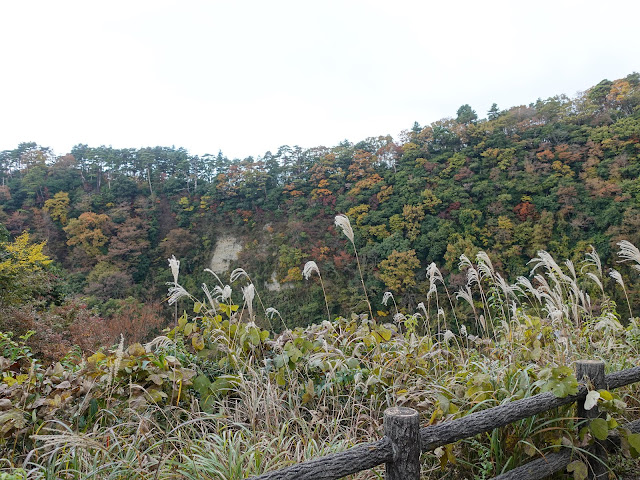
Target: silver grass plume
{"points": [[596, 280], [386, 297], [617, 277], [248, 293], [467, 296], [309, 268], [207, 292], [594, 259], [174, 264], [271, 312], [485, 267], [464, 262], [222, 293], [629, 252], [472, 273], [214, 274], [432, 290], [176, 292], [433, 273], [572, 269], [343, 222], [238, 273]]}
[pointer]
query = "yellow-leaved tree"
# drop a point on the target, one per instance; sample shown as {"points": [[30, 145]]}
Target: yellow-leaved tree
{"points": [[22, 265], [58, 207], [398, 272]]}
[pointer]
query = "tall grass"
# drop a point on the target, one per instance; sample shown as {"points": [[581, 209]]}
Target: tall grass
{"points": [[315, 390]]}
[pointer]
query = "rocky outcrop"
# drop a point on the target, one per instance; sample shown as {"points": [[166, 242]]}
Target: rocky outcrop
{"points": [[227, 249]]}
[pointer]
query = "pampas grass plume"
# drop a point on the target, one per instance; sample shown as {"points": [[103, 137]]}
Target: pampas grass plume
{"points": [[343, 222]]}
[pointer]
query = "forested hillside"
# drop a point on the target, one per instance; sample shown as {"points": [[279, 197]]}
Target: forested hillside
{"points": [[559, 174]]}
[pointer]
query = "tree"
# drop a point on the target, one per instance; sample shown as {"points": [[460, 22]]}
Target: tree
{"points": [[88, 232], [398, 270], [493, 112], [129, 242], [22, 267], [58, 207], [466, 114]]}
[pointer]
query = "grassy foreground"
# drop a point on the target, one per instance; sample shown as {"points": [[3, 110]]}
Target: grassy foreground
{"points": [[220, 396]]}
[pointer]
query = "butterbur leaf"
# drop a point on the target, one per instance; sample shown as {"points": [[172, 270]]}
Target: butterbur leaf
{"points": [[155, 378], [223, 384], [197, 342], [579, 469], [188, 328], [201, 384], [599, 428], [156, 395], [385, 333]]}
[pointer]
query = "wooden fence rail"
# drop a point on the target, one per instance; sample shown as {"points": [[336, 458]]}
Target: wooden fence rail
{"points": [[398, 449]]}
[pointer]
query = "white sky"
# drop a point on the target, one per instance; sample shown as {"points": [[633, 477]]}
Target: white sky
{"points": [[245, 77]]}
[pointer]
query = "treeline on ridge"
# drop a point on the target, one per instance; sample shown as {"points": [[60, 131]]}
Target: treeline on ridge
{"points": [[560, 174]]}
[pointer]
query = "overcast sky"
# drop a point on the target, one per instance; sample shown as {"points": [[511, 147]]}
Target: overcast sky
{"points": [[245, 77]]}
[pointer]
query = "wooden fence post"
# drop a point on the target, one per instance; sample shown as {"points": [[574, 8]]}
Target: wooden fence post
{"points": [[592, 373], [402, 427]]}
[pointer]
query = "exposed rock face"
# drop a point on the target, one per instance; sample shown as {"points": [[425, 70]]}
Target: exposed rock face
{"points": [[227, 249], [274, 286]]}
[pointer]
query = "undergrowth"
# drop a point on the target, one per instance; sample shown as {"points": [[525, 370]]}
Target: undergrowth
{"points": [[220, 396]]}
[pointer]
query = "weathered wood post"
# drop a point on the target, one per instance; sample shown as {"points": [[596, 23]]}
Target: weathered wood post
{"points": [[402, 427], [592, 373]]}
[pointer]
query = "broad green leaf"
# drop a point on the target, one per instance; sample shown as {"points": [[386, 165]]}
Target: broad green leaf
{"points": [[385, 333], [254, 336], [201, 384], [155, 378], [634, 441], [188, 328], [352, 362], [197, 342], [599, 428], [579, 470], [562, 383], [605, 395], [223, 384], [156, 395]]}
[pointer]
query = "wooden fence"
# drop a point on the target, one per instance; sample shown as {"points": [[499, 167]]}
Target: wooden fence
{"points": [[404, 440]]}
